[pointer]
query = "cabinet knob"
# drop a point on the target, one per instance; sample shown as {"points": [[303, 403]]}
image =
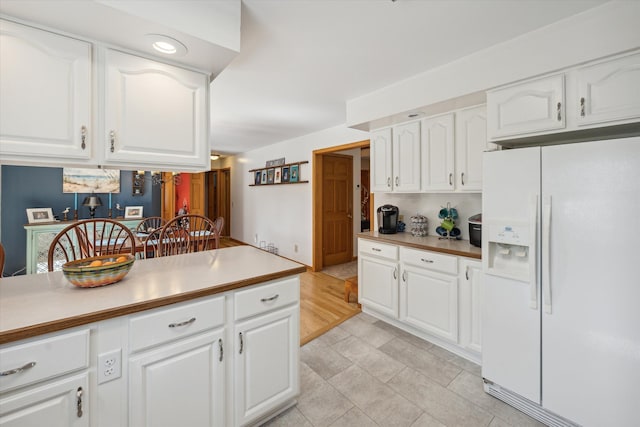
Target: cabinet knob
{"points": [[79, 394], [83, 137], [389, 182], [395, 273], [17, 370], [450, 179], [221, 349], [582, 113], [241, 343], [270, 298], [185, 323], [112, 140], [397, 181], [404, 276], [462, 178], [559, 111]]}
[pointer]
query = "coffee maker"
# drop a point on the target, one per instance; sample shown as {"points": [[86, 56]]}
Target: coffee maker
{"points": [[387, 219]]}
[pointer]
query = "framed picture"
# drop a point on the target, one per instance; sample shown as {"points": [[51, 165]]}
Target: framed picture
{"points": [[35, 215], [75, 180], [133, 212], [277, 179], [293, 177], [263, 178], [285, 174], [270, 175], [258, 178]]}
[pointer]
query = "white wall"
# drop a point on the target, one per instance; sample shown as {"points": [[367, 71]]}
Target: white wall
{"points": [[280, 214]]}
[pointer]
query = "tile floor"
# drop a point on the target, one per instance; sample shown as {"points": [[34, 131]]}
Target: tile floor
{"points": [[365, 372]]}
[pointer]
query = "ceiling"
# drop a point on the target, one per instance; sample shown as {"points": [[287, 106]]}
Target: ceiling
{"points": [[301, 60]]}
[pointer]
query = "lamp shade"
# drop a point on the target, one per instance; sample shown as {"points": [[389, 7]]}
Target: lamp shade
{"points": [[92, 201]]}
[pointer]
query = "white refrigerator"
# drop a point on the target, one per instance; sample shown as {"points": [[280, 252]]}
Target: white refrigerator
{"points": [[561, 258]]}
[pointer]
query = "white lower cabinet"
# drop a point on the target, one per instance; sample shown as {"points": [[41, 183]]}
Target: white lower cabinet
{"points": [[378, 272], [471, 305], [266, 368], [179, 384]]}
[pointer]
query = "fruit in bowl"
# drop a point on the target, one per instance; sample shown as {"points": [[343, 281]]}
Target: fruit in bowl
{"points": [[98, 270]]}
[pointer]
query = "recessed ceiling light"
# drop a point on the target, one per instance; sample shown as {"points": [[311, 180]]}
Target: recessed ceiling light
{"points": [[167, 45], [215, 156]]}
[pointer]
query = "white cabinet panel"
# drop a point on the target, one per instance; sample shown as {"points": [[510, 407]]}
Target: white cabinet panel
{"points": [[438, 160], [44, 114], [471, 142], [609, 91], [406, 157], [266, 363], [381, 160], [179, 384], [378, 284], [471, 305], [155, 114], [534, 106]]}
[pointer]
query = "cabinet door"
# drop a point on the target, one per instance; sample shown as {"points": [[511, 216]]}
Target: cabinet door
{"points": [[63, 403], [530, 107], [266, 363], [471, 305], [45, 116], [429, 301], [438, 153], [155, 114], [180, 384], [471, 142], [609, 91], [378, 285], [406, 157], [381, 161]]}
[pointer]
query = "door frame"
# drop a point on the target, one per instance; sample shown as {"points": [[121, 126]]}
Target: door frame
{"points": [[317, 194]]}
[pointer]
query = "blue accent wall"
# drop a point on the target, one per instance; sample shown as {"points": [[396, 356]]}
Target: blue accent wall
{"points": [[38, 187]]}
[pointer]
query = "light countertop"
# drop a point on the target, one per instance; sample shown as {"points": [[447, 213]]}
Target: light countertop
{"points": [[35, 304], [429, 243]]}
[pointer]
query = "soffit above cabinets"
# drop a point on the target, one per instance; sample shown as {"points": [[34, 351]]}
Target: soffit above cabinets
{"points": [[127, 24]]}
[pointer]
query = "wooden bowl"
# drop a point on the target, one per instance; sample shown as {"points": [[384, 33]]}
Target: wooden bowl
{"points": [[82, 274]]}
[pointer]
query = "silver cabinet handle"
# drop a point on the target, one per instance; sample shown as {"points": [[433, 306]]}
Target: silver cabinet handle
{"points": [[395, 273], [450, 179], [241, 342], [83, 137], [466, 273], [404, 276], [185, 323], [221, 349], [397, 181], [17, 370], [428, 261], [462, 177], [388, 181], [270, 298], [79, 393], [582, 113], [559, 110], [112, 140], [376, 249]]}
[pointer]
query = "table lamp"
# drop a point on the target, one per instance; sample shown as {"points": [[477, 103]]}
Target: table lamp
{"points": [[92, 202]]}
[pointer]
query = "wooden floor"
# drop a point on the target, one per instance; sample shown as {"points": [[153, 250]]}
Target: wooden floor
{"points": [[322, 304]]}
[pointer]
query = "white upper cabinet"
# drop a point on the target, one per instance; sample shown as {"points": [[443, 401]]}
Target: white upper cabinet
{"points": [[471, 142], [534, 106], [155, 114], [438, 153], [45, 107], [381, 160], [609, 90], [406, 157]]}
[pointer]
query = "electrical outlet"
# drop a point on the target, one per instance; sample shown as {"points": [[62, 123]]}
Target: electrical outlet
{"points": [[109, 366]]}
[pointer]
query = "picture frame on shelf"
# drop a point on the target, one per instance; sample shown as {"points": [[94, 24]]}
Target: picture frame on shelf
{"points": [[285, 174], [258, 178], [293, 173], [277, 179], [36, 215], [263, 177], [133, 212], [270, 175]]}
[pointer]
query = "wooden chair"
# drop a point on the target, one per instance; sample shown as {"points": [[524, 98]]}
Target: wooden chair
{"points": [[199, 230], [151, 224], [219, 222], [88, 238], [1, 259]]}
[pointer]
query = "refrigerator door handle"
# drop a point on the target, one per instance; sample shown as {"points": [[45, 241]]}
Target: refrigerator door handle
{"points": [[546, 254], [533, 278]]}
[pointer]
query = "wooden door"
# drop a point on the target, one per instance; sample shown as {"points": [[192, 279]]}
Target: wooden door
{"points": [[197, 194], [168, 198], [337, 209], [219, 194]]}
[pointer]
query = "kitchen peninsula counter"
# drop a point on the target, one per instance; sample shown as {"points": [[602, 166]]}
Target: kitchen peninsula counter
{"points": [[36, 304], [429, 243]]}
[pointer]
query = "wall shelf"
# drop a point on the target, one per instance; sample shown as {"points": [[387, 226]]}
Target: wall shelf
{"points": [[285, 174]]}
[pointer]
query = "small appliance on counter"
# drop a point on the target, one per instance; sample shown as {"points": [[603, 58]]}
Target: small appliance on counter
{"points": [[388, 219], [475, 230], [419, 225]]}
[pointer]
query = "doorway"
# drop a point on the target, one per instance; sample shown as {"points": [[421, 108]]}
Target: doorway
{"points": [[219, 197], [182, 191], [319, 194], [337, 209]]}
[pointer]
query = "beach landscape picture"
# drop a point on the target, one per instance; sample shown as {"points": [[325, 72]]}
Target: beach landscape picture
{"points": [[77, 180]]}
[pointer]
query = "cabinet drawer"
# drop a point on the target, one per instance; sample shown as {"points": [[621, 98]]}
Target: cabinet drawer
{"points": [[431, 260], [43, 359], [263, 298], [383, 250], [167, 324]]}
